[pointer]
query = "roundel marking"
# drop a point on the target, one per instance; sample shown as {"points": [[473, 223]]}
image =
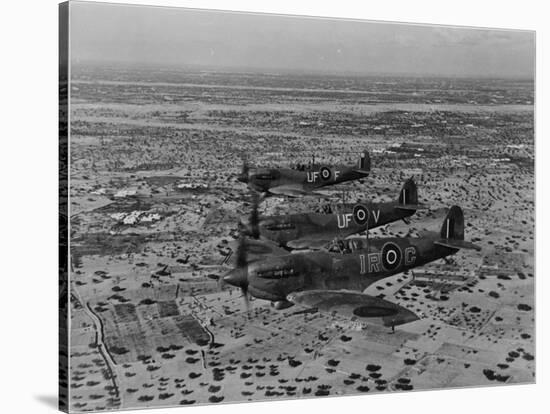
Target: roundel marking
{"points": [[374, 311], [391, 256], [360, 214], [326, 173]]}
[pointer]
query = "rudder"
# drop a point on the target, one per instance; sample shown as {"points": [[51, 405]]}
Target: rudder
{"points": [[453, 225], [409, 193], [364, 161]]}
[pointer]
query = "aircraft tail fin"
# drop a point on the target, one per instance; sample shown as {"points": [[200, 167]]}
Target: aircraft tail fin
{"points": [[452, 231], [408, 193], [408, 197], [364, 162], [453, 225]]}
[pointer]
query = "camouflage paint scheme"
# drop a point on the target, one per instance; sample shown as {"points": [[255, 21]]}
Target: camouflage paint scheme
{"points": [[316, 230], [298, 182], [294, 278]]}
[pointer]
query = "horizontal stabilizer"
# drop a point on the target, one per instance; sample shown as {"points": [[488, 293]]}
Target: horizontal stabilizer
{"points": [[412, 207], [365, 172], [457, 244]]}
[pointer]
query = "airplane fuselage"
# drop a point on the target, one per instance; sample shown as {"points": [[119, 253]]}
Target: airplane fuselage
{"points": [[262, 179], [275, 278], [348, 220]]}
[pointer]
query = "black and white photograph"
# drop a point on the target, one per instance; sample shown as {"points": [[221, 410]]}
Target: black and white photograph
{"points": [[269, 207]]}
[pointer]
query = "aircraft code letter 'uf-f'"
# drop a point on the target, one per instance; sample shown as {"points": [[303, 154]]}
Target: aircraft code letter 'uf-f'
{"points": [[302, 180]]}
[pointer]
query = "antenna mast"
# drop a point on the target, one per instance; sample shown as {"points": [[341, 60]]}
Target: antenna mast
{"points": [[368, 218]]}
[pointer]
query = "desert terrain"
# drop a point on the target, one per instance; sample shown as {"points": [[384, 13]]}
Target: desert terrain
{"points": [[154, 207]]}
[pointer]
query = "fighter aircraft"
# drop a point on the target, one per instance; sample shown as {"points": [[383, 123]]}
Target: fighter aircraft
{"points": [[302, 180], [317, 230], [332, 282]]}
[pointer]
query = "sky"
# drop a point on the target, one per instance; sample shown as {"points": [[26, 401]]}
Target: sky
{"points": [[111, 33]]}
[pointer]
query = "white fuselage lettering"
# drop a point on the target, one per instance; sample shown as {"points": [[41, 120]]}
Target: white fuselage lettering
{"points": [[372, 262], [344, 220], [313, 176], [410, 256]]}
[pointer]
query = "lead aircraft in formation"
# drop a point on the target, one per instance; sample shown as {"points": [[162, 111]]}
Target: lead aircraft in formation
{"points": [[304, 179]]}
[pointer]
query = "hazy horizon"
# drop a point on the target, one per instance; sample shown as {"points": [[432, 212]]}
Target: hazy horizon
{"points": [[228, 41]]}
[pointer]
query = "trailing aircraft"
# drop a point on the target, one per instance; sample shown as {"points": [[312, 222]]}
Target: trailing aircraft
{"points": [[317, 230], [333, 282], [304, 179]]}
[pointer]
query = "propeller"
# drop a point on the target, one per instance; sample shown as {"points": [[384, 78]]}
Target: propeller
{"points": [[238, 277], [243, 176], [250, 227], [254, 217]]}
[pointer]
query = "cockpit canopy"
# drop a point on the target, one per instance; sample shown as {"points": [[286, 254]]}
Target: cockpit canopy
{"points": [[303, 166], [280, 226], [351, 245], [265, 174]]}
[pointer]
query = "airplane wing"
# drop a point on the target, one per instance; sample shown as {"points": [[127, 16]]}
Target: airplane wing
{"points": [[263, 247], [289, 190], [256, 249], [304, 243], [295, 190], [354, 305]]}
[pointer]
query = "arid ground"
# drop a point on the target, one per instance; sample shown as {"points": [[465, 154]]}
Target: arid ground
{"points": [[154, 207]]}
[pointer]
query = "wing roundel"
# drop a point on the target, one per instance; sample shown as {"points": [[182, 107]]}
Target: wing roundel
{"points": [[354, 306]]}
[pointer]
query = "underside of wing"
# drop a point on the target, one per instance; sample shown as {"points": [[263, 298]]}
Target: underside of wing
{"points": [[296, 190], [308, 243], [355, 306]]}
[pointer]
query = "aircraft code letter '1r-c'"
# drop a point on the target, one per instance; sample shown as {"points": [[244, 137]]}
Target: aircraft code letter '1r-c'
{"points": [[304, 180]]}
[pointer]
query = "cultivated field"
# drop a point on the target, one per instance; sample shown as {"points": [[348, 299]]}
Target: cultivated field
{"points": [[154, 207]]}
